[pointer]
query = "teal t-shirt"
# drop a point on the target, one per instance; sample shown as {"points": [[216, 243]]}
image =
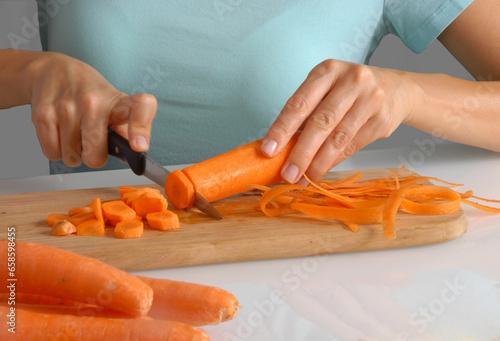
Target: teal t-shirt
{"points": [[222, 70]]}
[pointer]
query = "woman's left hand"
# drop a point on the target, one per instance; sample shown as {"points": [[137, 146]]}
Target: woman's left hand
{"points": [[341, 107]]}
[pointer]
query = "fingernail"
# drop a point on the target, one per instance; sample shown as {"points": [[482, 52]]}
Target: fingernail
{"points": [[291, 173], [141, 143], [269, 147]]}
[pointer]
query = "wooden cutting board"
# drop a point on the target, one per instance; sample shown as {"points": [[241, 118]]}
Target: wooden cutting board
{"points": [[244, 234]]}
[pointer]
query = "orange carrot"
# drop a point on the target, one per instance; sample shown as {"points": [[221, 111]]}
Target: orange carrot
{"points": [[125, 189], [63, 228], [55, 217], [37, 299], [190, 303], [179, 190], [40, 326], [129, 229], [92, 227], [113, 223], [79, 218], [78, 210], [97, 208], [149, 202], [166, 220], [76, 310], [47, 270], [227, 174], [130, 196], [117, 210]]}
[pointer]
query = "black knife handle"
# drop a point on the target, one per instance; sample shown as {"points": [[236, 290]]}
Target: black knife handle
{"points": [[119, 147]]}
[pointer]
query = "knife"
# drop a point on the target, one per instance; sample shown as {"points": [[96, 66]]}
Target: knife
{"points": [[141, 164]]}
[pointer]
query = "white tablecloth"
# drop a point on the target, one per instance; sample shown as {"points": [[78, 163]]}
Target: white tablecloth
{"points": [[447, 291]]}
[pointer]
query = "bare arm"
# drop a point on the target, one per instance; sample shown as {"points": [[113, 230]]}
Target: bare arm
{"points": [[342, 107], [73, 105]]}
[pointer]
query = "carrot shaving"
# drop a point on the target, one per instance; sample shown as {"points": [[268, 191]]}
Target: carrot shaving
{"points": [[355, 202]]}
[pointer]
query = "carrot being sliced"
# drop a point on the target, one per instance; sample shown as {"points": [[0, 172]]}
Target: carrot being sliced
{"points": [[51, 271], [63, 228], [179, 190], [117, 210], [92, 227], [227, 174], [129, 229], [190, 303], [69, 327], [166, 220]]}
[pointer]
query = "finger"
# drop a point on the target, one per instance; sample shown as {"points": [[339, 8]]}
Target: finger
{"points": [[70, 134], [298, 108], [139, 110], [94, 138], [353, 133], [329, 113], [45, 120]]}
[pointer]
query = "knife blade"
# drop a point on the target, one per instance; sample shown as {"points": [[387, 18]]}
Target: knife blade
{"points": [[141, 164]]}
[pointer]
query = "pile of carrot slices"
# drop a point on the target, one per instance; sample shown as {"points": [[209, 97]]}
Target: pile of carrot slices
{"points": [[126, 215], [353, 201], [61, 295]]}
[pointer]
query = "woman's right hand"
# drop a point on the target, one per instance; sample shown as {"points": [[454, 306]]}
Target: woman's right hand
{"points": [[73, 105]]}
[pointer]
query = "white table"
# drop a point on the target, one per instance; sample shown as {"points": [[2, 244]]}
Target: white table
{"points": [[448, 291]]}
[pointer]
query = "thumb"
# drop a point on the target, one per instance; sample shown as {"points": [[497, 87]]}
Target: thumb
{"points": [[134, 115]]}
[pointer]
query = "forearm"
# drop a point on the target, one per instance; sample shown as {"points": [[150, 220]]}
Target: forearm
{"points": [[455, 109], [16, 75]]}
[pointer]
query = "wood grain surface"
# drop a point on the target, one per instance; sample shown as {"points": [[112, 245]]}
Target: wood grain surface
{"points": [[244, 234]]}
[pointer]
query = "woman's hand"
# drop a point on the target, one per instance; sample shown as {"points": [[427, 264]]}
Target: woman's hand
{"points": [[340, 108], [73, 105]]}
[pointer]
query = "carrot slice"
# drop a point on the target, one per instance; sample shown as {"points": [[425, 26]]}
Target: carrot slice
{"points": [[97, 207], [113, 223], [63, 228], [179, 190], [55, 217], [92, 227], [117, 210], [79, 218], [47, 270], [190, 303], [131, 196], [126, 189], [79, 210], [166, 220], [149, 202], [129, 229]]}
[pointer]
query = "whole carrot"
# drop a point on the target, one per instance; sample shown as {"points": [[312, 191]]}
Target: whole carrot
{"points": [[35, 326], [190, 303], [226, 174], [47, 270]]}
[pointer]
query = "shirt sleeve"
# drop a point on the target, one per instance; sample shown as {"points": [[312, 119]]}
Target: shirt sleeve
{"points": [[419, 22]]}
